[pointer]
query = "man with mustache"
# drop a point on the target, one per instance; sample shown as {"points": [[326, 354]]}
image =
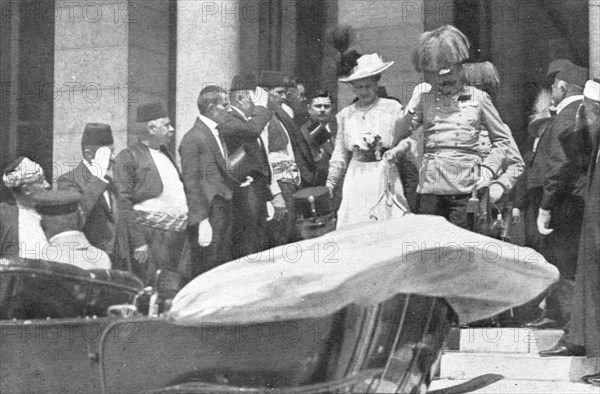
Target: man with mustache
{"points": [[581, 146], [452, 116], [152, 202]]}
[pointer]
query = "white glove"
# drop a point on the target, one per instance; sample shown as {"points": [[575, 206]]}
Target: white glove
{"points": [[516, 215], [496, 192], [260, 97], [543, 221], [205, 233], [100, 162], [417, 94]]}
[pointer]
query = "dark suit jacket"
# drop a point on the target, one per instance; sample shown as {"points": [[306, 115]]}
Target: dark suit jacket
{"points": [[238, 132], [137, 179], [561, 178], [100, 218], [9, 230], [303, 155], [321, 165], [205, 172]]}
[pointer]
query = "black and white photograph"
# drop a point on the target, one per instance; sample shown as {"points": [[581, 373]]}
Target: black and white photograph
{"points": [[300, 196]]}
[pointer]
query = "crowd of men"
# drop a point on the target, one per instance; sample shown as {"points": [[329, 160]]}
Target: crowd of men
{"points": [[253, 147]]}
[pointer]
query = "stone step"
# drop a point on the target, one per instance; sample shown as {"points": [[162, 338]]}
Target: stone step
{"points": [[507, 386], [504, 340], [516, 366]]}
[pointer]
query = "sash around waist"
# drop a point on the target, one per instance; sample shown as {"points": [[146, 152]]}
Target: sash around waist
{"points": [[368, 156]]}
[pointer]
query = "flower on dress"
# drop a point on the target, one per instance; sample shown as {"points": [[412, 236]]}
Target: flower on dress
{"points": [[371, 144]]}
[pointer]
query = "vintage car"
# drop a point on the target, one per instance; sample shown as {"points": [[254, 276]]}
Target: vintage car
{"points": [[375, 321]]}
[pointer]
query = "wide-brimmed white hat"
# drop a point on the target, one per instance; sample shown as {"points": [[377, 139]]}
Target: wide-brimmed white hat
{"points": [[367, 66]]}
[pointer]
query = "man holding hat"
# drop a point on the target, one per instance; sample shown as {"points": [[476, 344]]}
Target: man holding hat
{"points": [[249, 158], [62, 221], [21, 234], [93, 179], [583, 140], [290, 157], [210, 184], [561, 208], [151, 199]]}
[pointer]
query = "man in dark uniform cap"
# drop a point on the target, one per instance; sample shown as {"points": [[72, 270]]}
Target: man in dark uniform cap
{"points": [[93, 179], [562, 203], [62, 221], [151, 198]]}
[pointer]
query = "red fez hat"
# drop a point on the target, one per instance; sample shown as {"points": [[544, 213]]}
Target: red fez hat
{"points": [[98, 134], [271, 79], [243, 82], [151, 111], [573, 74]]}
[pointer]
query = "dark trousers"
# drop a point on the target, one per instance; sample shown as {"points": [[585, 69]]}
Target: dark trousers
{"points": [[533, 238], [166, 251], [220, 249], [284, 231], [250, 218], [452, 207], [561, 249]]}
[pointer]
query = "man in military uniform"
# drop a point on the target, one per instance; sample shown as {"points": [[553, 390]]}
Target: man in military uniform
{"points": [[452, 116], [62, 221]]}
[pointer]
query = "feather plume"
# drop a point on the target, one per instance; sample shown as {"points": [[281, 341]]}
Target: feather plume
{"points": [[483, 76], [541, 106], [440, 49], [341, 37]]}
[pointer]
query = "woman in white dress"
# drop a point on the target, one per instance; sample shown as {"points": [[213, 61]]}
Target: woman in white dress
{"points": [[366, 130]]}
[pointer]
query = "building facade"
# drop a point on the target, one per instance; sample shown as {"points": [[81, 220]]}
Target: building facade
{"points": [[66, 63]]}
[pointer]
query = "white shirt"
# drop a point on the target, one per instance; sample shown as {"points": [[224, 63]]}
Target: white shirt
{"points": [[567, 101], [72, 247], [213, 128], [32, 240], [172, 199]]}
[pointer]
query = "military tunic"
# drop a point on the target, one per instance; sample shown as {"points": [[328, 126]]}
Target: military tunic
{"points": [[451, 131]]}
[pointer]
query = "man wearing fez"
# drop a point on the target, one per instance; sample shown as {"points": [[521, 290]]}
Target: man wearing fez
{"points": [[21, 234], [453, 115], [581, 145], [93, 179], [319, 132], [562, 203], [62, 221], [290, 157], [242, 136], [151, 199], [209, 183]]}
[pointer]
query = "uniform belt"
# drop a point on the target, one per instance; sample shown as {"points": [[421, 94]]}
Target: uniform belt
{"points": [[452, 148]]}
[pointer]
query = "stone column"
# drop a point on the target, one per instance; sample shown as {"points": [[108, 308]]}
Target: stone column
{"points": [[90, 74], [208, 41], [594, 38]]}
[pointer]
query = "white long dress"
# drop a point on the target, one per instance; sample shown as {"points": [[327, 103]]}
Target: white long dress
{"points": [[364, 181]]}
